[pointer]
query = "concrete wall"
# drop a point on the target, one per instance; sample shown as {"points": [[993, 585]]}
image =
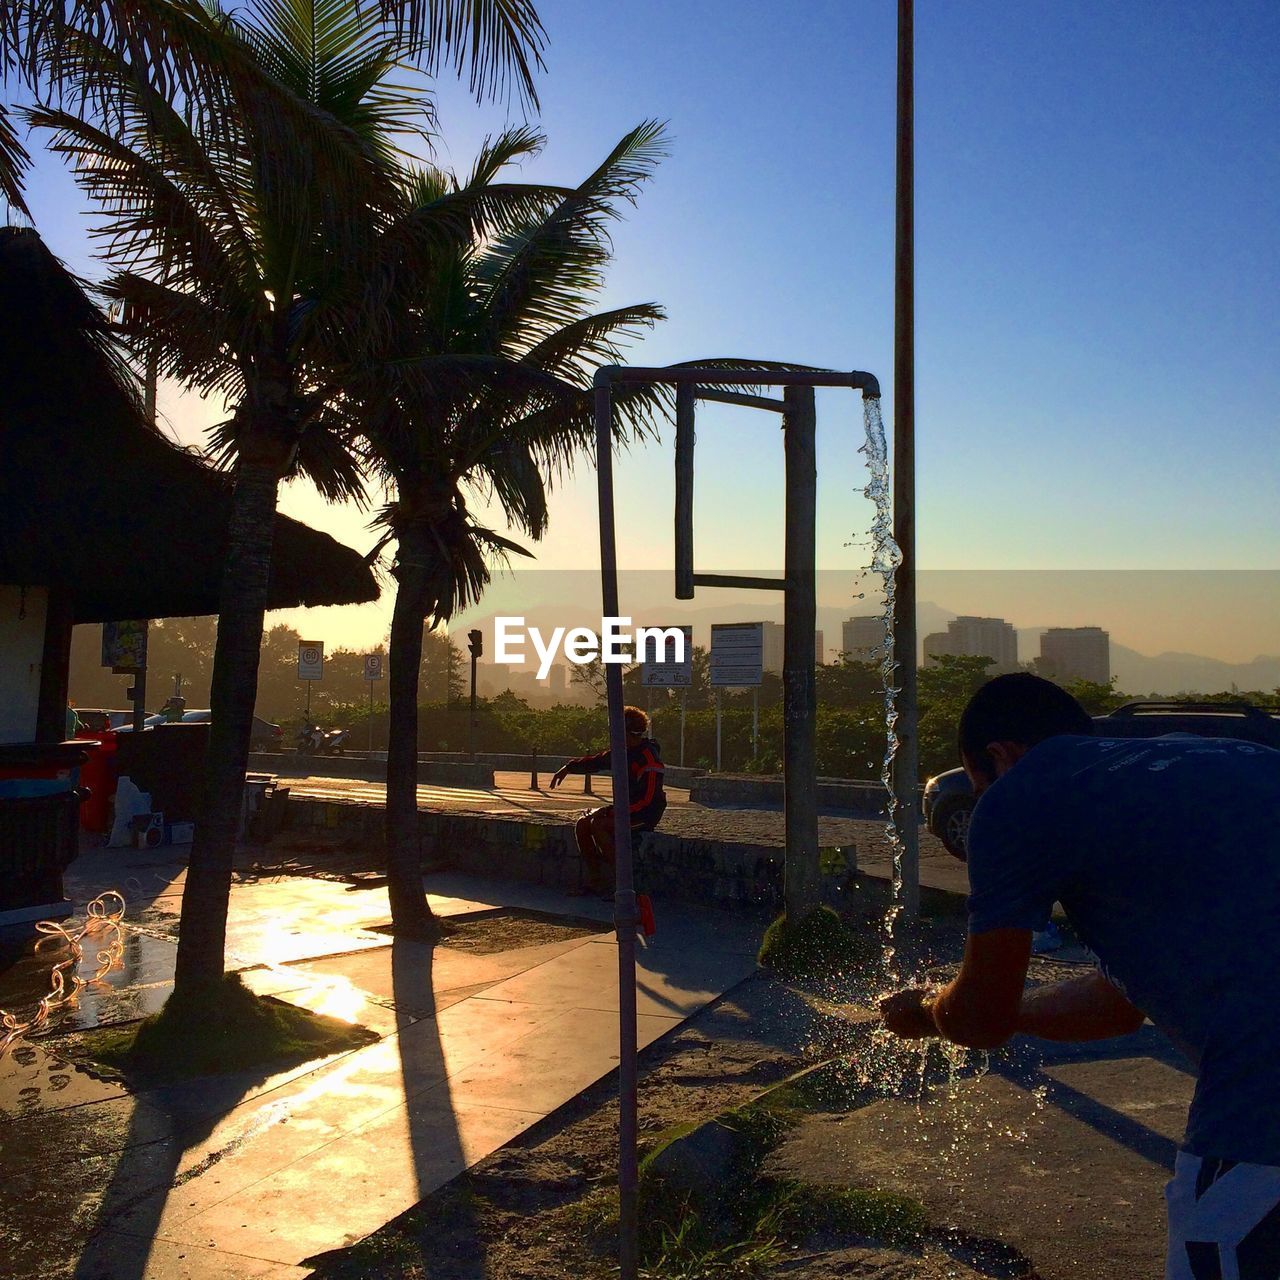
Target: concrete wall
{"points": [[22, 618], [713, 873]]}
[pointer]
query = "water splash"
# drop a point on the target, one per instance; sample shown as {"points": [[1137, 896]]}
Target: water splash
{"points": [[886, 556], [102, 917]]}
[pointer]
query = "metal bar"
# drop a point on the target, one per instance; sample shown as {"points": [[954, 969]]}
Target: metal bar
{"points": [[906, 759], [684, 491], [674, 375], [801, 879], [733, 580], [717, 730], [625, 916], [737, 397], [682, 707]]}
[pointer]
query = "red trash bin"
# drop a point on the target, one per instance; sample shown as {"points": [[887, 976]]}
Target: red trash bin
{"points": [[98, 776]]}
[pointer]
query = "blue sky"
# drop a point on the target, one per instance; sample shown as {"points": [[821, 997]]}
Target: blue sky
{"points": [[1098, 193]]}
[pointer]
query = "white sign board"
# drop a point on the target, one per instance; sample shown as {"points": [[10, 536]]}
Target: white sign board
{"points": [[670, 674], [737, 653], [373, 666], [310, 660]]}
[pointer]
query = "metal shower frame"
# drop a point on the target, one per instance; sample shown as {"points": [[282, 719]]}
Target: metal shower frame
{"points": [[691, 383]]}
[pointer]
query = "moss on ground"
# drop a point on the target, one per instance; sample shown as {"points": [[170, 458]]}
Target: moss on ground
{"points": [[215, 1029], [819, 945]]}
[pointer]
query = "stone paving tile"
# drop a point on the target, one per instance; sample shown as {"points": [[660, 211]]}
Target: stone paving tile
{"points": [[543, 1070], [115, 1255], [357, 1183], [33, 1079], [670, 981]]}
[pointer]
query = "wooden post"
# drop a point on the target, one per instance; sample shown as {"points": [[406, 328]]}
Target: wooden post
{"points": [[55, 666], [801, 875], [906, 761]]}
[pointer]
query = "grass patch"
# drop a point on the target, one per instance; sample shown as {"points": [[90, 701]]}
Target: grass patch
{"points": [[800, 1209], [819, 945], [216, 1029]]}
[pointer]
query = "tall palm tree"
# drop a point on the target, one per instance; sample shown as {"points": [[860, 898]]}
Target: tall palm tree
{"points": [[485, 390], [244, 248]]}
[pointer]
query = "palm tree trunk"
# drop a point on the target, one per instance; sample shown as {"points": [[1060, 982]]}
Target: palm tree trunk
{"points": [[243, 601], [410, 912]]}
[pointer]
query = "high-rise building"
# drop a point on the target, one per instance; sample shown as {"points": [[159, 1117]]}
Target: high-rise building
{"points": [[1075, 653], [774, 634], [861, 637], [992, 638], [558, 680]]}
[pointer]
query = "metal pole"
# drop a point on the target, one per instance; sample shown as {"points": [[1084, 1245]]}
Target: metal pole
{"points": [[801, 875], [471, 728], [755, 722], [625, 916], [906, 759], [308, 703], [371, 717], [717, 730], [682, 705]]}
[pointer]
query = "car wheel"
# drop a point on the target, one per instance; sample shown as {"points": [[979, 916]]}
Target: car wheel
{"points": [[950, 823]]}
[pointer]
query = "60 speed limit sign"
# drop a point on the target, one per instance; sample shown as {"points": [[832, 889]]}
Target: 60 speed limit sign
{"points": [[311, 660]]}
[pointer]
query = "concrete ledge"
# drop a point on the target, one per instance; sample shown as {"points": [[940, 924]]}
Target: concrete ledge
{"points": [[542, 850], [522, 761], [754, 791], [432, 773]]}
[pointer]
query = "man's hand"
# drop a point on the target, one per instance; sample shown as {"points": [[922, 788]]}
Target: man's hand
{"points": [[559, 776], [904, 1013]]}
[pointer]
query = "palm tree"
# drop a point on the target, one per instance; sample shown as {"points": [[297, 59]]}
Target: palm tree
{"points": [[181, 47], [243, 225], [484, 390]]}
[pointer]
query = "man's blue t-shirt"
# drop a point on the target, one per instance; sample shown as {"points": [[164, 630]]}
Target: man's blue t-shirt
{"points": [[1165, 855]]}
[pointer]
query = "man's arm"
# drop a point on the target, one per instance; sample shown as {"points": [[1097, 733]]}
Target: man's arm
{"points": [[1084, 1008], [598, 762], [986, 1004]]}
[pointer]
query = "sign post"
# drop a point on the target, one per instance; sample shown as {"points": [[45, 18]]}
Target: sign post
{"points": [[372, 672], [310, 667], [663, 672], [124, 650], [737, 662]]}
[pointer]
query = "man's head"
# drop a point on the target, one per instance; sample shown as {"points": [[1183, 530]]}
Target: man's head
{"points": [[637, 723], [1007, 717]]}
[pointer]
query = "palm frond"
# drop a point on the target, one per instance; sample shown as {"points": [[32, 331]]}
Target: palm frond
{"points": [[14, 162], [541, 276]]}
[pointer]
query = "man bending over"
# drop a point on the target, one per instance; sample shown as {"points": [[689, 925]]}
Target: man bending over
{"points": [[1164, 854]]}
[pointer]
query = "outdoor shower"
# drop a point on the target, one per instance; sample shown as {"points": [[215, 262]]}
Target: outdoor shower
{"points": [[801, 881]]}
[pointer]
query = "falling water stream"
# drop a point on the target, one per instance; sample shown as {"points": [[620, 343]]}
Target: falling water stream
{"points": [[882, 1064]]}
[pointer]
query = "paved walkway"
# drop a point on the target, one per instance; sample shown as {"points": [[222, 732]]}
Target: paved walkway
{"points": [[245, 1177]]}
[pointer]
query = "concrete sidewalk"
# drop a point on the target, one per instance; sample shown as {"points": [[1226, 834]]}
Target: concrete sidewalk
{"points": [[247, 1177]]}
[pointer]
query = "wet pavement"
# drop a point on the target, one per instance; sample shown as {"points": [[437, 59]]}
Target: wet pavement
{"points": [[247, 1176]]}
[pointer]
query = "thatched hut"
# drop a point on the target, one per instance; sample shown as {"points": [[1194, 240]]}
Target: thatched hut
{"points": [[101, 517]]}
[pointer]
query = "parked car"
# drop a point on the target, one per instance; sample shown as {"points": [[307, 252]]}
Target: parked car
{"points": [[264, 736], [949, 799]]}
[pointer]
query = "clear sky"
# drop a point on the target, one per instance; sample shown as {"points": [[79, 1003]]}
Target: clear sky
{"points": [[1098, 293]]}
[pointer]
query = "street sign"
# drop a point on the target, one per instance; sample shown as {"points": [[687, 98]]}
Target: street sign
{"points": [[310, 659], [670, 674], [373, 666], [124, 646], [737, 654]]}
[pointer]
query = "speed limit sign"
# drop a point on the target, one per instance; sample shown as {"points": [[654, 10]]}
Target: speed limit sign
{"points": [[373, 666], [310, 659]]}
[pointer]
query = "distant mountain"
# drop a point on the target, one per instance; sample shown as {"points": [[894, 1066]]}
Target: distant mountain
{"points": [[1169, 673]]}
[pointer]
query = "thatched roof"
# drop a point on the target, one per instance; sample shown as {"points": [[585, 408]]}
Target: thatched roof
{"points": [[94, 500]]}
